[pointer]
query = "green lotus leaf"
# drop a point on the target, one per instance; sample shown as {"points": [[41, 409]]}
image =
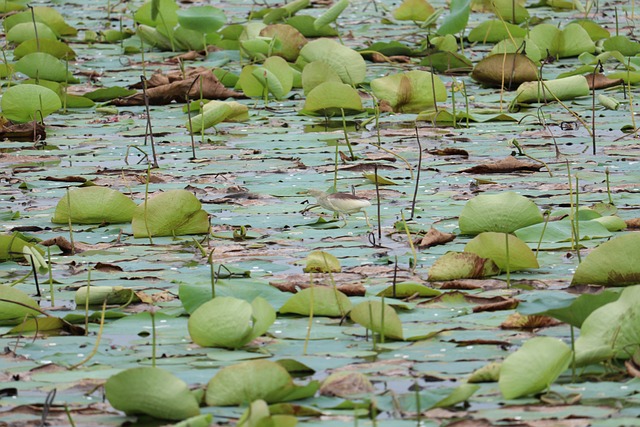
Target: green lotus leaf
{"points": [[171, 213], [413, 10], [94, 205], [215, 114], [494, 246], [611, 331], [494, 30], [613, 263], [346, 62], [158, 12], [25, 103], [276, 76], [623, 45], [510, 11], [330, 97], [457, 19], [40, 65], [109, 93], [153, 37], [562, 231], [503, 212], [321, 262], [379, 318], [319, 300], [331, 14], [97, 295], [532, 369], [151, 391], [410, 92], [569, 309], [230, 322], [44, 15], [304, 24], [595, 31], [290, 40], [258, 414], [407, 289], [53, 47], [203, 19], [26, 31], [462, 265], [315, 73], [253, 380], [11, 313]]}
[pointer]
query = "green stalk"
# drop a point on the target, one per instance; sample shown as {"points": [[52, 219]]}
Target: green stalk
{"points": [[152, 313], [606, 177], [146, 205], [310, 324], [382, 322], [86, 301], [373, 335], [544, 228], [577, 220], [53, 298], [413, 249], [73, 246], [506, 247], [453, 101], [346, 135]]}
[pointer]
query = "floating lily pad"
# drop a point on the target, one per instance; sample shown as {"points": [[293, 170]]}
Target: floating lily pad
{"points": [[324, 301], [531, 369], [151, 391], [503, 212], [94, 205], [408, 289], [171, 213], [613, 263]]}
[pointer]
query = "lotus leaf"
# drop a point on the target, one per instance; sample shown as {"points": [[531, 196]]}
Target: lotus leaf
{"points": [[259, 415], [611, 331], [331, 14], [12, 247], [408, 289], [494, 30], [413, 10], [291, 40], [319, 300], [304, 24], [94, 205], [253, 380], [531, 369], [613, 263], [171, 213], [346, 62], [623, 45], [151, 391], [321, 262], [13, 314], [508, 70], [230, 322], [462, 265], [331, 98], [494, 246], [503, 212], [457, 19], [315, 73], [379, 318], [510, 11], [410, 92], [26, 31], [55, 48], [25, 103], [40, 65], [203, 19]]}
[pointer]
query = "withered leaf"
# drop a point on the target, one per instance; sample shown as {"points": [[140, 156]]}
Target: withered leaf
{"points": [[600, 81], [208, 87], [506, 165], [633, 223], [448, 151], [519, 321], [434, 238], [31, 131]]}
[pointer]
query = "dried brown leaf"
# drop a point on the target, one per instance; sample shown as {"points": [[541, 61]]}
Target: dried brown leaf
{"points": [[31, 131], [519, 321], [600, 81], [434, 238], [506, 165], [633, 223]]}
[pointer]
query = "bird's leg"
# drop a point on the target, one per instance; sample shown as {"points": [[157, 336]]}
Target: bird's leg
{"points": [[366, 217]]}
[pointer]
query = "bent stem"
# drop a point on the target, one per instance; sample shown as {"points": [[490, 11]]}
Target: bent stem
{"points": [[310, 324], [98, 338]]}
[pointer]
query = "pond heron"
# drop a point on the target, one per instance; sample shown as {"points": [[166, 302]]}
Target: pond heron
{"points": [[341, 203]]}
